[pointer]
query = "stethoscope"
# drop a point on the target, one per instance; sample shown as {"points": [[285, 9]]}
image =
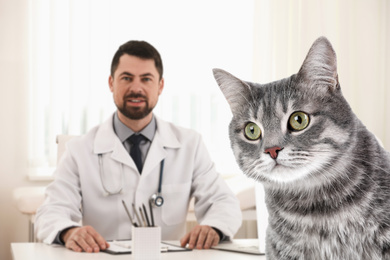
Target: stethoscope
{"points": [[156, 199]]}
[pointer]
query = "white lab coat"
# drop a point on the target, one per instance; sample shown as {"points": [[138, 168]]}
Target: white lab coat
{"points": [[77, 194]]}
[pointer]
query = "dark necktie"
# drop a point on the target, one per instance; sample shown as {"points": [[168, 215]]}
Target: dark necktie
{"points": [[135, 152]]}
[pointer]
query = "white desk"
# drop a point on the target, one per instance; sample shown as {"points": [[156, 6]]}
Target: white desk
{"points": [[40, 251]]}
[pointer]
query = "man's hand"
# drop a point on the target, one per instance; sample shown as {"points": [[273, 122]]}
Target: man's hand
{"points": [[201, 237], [86, 239]]}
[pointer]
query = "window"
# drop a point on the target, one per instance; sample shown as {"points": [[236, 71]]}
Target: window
{"points": [[72, 44]]}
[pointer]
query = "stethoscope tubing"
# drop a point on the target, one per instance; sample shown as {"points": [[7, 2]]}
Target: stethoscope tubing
{"points": [[101, 178], [161, 177], [120, 189]]}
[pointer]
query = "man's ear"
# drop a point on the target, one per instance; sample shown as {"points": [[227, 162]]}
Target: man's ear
{"points": [[161, 86], [110, 83]]}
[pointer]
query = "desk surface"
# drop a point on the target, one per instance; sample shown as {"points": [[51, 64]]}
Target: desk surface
{"points": [[27, 251]]}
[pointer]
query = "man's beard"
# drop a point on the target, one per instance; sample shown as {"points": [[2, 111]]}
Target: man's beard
{"points": [[135, 113]]}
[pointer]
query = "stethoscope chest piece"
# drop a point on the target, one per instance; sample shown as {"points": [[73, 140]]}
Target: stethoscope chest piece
{"points": [[156, 200]]}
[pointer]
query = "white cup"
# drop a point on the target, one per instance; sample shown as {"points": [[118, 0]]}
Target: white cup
{"points": [[146, 242]]}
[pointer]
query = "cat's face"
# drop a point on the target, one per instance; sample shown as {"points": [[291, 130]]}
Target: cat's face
{"points": [[291, 129]]}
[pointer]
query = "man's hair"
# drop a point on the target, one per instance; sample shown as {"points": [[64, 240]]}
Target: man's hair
{"points": [[140, 49]]}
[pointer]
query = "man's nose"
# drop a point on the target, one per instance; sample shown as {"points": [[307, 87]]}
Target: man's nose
{"points": [[136, 85]]}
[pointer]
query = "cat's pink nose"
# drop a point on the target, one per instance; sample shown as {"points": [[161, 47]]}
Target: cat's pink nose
{"points": [[273, 151]]}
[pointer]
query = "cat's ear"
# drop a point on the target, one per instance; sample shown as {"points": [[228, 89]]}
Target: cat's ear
{"points": [[320, 65], [236, 91]]}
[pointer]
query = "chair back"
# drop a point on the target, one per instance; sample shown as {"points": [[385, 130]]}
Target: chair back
{"points": [[61, 141]]}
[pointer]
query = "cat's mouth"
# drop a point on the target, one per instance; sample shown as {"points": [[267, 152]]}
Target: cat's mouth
{"points": [[277, 166]]}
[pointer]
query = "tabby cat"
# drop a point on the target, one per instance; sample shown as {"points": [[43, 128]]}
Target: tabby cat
{"points": [[326, 178]]}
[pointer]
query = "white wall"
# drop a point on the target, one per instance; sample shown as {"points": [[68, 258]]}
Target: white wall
{"points": [[12, 102], [13, 118]]}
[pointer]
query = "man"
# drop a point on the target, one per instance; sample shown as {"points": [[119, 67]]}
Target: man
{"points": [[97, 172]]}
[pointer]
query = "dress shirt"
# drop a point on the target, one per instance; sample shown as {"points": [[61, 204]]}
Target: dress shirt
{"points": [[123, 132]]}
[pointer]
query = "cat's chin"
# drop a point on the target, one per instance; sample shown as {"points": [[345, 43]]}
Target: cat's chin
{"points": [[283, 174]]}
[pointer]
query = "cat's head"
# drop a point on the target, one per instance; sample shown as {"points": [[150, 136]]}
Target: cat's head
{"points": [[292, 129]]}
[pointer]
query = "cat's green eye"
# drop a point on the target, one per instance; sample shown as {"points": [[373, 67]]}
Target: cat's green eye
{"points": [[252, 131], [298, 121]]}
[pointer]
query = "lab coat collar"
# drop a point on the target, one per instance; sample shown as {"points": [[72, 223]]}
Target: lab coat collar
{"points": [[163, 140], [166, 136], [107, 141]]}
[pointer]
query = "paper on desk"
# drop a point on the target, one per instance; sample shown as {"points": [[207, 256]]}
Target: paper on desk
{"points": [[119, 247], [124, 247]]}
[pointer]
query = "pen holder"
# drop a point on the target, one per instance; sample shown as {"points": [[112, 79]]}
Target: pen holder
{"points": [[146, 242]]}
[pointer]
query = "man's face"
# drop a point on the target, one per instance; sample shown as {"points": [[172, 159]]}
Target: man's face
{"points": [[136, 86]]}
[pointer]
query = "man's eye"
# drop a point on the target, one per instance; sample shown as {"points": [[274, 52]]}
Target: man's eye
{"points": [[146, 79], [126, 78]]}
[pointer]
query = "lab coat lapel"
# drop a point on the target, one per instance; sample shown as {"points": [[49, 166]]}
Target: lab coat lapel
{"points": [[164, 139], [106, 141]]}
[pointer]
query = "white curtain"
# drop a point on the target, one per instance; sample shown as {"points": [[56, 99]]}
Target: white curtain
{"points": [[359, 31], [72, 44]]}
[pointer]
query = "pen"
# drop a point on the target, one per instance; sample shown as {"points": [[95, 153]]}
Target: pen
{"points": [[142, 216], [136, 214], [151, 213], [146, 215], [128, 214]]}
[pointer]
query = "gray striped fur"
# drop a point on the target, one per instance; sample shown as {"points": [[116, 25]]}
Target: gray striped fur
{"points": [[328, 190]]}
